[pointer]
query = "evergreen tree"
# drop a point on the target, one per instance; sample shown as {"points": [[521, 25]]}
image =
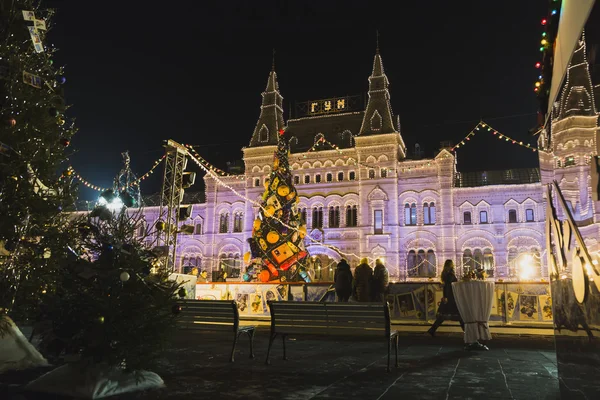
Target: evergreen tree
{"points": [[110, 305], [34, 134], [278, 233]]}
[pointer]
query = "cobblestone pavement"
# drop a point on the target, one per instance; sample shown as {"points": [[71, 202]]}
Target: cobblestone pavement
{"points": [[198, 367]]}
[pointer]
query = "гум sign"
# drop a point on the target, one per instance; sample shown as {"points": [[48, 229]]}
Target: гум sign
{"points": [[566, 248]]}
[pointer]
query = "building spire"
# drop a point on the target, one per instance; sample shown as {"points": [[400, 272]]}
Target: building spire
{"points": [[377, 48], [270, 120], [577, 96], [378, 114]]}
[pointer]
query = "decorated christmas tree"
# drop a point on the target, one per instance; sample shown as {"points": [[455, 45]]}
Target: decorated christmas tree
{"points": [[34, 135], [277, 243]]}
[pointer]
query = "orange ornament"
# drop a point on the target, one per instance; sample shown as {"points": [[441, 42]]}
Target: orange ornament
{"points": [[264, 276]]}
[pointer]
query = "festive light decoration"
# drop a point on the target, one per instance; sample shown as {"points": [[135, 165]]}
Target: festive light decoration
{"points": [[212, 167], [482, 126]]}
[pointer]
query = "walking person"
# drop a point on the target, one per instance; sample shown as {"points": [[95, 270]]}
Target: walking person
{"points": [[343, 281], [381, 280], [363, 279], [448, 308]]}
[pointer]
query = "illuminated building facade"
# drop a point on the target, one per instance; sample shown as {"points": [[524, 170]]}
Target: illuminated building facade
{"points": [[362, 195]]}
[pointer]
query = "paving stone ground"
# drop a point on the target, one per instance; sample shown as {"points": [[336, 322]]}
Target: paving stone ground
{"points": [[198, 367]]}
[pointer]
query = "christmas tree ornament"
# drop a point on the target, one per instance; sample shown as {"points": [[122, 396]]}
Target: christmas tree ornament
{"points": [[60, 121], [160, 226], [101, 319], [124, 276], [60, 79], [176, 309], [181, 292], [12, 121], [65, 142]]}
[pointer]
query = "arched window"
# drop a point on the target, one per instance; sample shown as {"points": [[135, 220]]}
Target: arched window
{"points": [[351, 216], [421, 262], [198, 228], [318, 178], [224, 223], [306, 178], [237, 222], [478, 259], [413, 214], [383, 172], [256, 182], [512, 216], [334, 217], [428, 218], [406, 214], [488, 262], [529, 216], [411, 263], [371, 174], [303, 215], [340, 176], [317, 217], [296, 180], [483, 217], [352, 175], [468, 262], [329, 177], [431, 264], [432, 216], [263, 134]]}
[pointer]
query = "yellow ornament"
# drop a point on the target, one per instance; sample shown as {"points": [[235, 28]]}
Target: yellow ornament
{"points": [[302, 231], [275, 183], [283, 190], [247, 257], [263, 244], [272, 237], [256, 224], [291, 195], [269, 211]]}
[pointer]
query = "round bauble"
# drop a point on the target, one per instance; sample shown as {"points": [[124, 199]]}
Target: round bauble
{"points": [[247, 257], [67, 172], [124, 276], [12, 121], [181, 292], [60, 121], [264, 276], [65, 142], [60, 79], [160, 226], [101, 319]]}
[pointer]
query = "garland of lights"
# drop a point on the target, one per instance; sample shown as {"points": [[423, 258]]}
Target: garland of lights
{"points": [[212, 167], [71, 171], [495, 132]]}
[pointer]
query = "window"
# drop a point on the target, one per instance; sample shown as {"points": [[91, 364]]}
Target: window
{"points": [[488, 262], [329, 177], [410, 214], [318, 178], [303, 215], [371, 174], [378, 222], [431, 266], [334, 217], [257, 182], [317, 217], [429, 213], [198, 229], [306, 178], [296, 180], [340, 176], [411, 263], [351, 216], [468, 262], [483, 217], [237, 222], [569, 161], [512, 216], [352, 175], [223, 223], [263, 134], [529, 215], [467, 218], [141, 229], [383, 172]]}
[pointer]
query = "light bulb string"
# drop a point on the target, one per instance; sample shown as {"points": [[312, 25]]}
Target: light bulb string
{"points": [[72, 171], [210, 166], [482, 125]]}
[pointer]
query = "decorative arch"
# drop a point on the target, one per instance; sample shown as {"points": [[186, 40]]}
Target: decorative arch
{"points": [[267, 168], [475, 237], [263, 134], [317, 164], [255, 169], [328, 163], [371, 160], [377, 194], [306, 165], [339, 162], [295, 166], [317, 249], [382, 158]]}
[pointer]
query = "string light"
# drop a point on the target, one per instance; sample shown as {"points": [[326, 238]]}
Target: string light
{"points": [[212, 167], [495, 132]]}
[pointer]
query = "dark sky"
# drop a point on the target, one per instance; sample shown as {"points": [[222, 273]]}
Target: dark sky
{"points": [[193, 71]]}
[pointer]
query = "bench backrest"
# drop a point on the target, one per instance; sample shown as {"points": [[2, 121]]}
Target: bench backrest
{"points": [[208, 315], [354, 319]]}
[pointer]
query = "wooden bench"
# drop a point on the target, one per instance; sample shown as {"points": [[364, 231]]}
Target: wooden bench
{"points": [[332, 319], [214, 315]]}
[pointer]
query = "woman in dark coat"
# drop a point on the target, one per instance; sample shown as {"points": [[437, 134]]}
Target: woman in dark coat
{"points": [[363, 279], [381, 280], [448, 308], [343, 281]]}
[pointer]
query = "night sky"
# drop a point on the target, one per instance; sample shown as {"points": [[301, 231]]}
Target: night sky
{"points": [[194, 71]]}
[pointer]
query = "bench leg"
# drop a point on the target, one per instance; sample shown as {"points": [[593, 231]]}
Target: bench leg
{"points": [[251, 337], [235, 339], [284, 353], [271, 339], [396, 343], [389, 346]]}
